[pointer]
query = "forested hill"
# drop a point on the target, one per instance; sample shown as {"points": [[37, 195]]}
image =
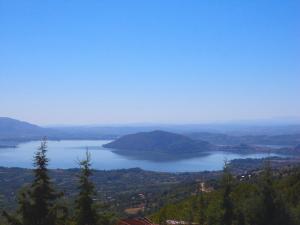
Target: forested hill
{"points": [[271, 198], [158, 141]]}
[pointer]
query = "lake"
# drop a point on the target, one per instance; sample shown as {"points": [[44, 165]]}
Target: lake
{"points": [[66, 154]]}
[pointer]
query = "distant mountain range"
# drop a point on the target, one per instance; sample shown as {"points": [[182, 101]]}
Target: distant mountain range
{"points": [[225, 139], [159, 141], [13, 131], [152, 145]]}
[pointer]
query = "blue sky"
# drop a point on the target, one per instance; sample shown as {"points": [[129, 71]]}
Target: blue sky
{"points": [[159, 61]]}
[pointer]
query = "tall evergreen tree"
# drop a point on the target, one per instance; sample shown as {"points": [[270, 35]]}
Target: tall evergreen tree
{"points": [[37, 203], [85, 211], [201, 207], [227, 203], [272, 209], [43, 195]]}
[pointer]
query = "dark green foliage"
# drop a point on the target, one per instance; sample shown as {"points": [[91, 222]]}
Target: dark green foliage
{"points": [[117, 187], [262, 198], [202, 206], [85, 211], [37, 203], [271, 209], [107, 218], [192, 212], [40, 204], [270, 198], [42, 193], [227, 203], [290, 193], [11, 219]]}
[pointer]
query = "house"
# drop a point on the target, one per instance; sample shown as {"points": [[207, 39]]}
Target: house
{"points": [[176, 222]]}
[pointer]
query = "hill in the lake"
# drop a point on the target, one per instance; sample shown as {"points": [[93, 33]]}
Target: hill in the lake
{"points": [[158, 141]]}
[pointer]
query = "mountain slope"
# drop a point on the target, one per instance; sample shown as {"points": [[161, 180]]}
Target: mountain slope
{"points": [[158, 141], [16, 129]]}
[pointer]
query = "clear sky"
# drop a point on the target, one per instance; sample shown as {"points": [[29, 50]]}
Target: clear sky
{"points": [[159, 61]]}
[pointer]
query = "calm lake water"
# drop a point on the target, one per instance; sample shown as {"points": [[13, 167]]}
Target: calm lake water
{"points": [[65, 154]]}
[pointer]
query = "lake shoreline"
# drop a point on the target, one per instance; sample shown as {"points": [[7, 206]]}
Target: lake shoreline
{"points": [[65, 154]]}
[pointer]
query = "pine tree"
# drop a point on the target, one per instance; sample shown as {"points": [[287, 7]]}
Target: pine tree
{"points": [[202, 207], [272, 210], [227, 203], [37, 203], [42, 194], [86, 213]]}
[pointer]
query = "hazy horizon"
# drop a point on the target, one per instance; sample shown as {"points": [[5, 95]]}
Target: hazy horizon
{"points": [[171, 62], [243, 123]]}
